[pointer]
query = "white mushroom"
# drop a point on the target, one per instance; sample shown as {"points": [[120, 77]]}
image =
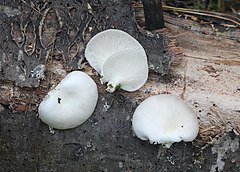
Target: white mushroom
{"points": [[127, 70], [70, 103], [119, 59], [165, 119], [107, 43]]}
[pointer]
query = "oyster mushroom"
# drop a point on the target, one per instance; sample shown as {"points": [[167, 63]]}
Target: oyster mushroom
{"points": [[70, 103], [119, 58], [127, 70], [165, 119], [107, 43]]}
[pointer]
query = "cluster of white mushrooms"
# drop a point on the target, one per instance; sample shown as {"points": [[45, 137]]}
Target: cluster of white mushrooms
{"points": [[122, 63]]}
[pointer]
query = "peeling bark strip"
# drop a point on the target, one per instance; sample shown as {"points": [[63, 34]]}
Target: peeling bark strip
{"points": [[153, 14], [49, 26], [30, 44], [17, 33]]}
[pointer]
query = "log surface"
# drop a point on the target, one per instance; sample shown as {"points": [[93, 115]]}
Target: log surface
{"points": [[42, 41]]}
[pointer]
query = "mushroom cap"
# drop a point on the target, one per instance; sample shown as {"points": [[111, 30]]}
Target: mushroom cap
{"points": [[165, 119], [107, 43], [127, 69], [70, 103]]}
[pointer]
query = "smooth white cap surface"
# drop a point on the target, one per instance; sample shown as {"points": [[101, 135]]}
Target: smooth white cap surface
{"points": [[107, 43], [165, 119], [70, 103], [127, 69]]}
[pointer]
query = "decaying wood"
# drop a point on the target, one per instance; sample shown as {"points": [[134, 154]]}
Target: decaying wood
{"points": [[207, 76], [42, 41], [203, 22]]}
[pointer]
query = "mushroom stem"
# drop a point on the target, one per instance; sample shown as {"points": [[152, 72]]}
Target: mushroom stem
{"points": [[167, 145], [112, 86]]}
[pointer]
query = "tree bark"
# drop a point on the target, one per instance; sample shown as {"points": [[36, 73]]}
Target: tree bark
{"points": [[153, 14]]}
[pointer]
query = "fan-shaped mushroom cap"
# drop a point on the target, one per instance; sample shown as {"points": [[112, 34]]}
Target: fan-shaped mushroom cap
{"points": [[107, 43], [70, 103], [165, 119], [127, 69]]}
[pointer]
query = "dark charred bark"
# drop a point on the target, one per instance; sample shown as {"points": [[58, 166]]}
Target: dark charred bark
{"points": [[153, 14]]}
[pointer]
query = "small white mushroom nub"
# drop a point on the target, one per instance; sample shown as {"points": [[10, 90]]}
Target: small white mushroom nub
{"points": [[70, 103], [119, 59], [165, 119]]}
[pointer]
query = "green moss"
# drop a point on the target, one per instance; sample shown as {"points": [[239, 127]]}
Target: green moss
{"points": [[110, 86], [118, 87]]}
